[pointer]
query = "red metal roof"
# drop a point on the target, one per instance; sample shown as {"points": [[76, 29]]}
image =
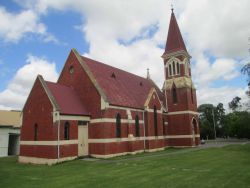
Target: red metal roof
{"points": [[67, 99], [174, 40], [121, 88]]}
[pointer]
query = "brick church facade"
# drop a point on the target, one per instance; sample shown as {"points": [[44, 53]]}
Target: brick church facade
{"points": [[101, 111]]}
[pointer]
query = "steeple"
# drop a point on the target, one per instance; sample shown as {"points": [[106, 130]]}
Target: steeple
{"points": [[179, 89], [175, 41]]}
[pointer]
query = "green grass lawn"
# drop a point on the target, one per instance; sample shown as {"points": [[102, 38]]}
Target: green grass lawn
{"points": [[214, 167]]}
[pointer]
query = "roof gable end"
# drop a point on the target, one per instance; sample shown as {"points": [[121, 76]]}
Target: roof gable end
{"points": [[47, 91], [89, 73]]}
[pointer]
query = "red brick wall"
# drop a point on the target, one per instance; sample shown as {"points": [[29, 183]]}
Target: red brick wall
{"points": [[184, 100], [165, 126], [80, 81], [38, 110], [115, 147], [150, 129], [68, 150], [73, 130], [48, 152], [197, 141], [149, 117], [181, 141], [154, 101], [111, 113], [154, 144], [106, 130], [179, 124]]}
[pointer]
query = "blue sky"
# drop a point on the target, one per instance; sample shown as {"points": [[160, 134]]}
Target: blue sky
{"points": [[14, 54], [36, 37]]}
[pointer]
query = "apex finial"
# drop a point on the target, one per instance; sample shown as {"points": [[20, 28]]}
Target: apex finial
{"points": [[172, 6], [148, 75]]}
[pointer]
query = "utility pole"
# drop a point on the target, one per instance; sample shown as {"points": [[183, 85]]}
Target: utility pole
{"points": [[214, 124]]}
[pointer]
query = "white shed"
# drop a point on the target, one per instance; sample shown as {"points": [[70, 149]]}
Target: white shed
{"points": [[10, 122]]}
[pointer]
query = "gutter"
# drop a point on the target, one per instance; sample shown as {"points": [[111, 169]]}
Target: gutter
{"points": [[144, 143], [58, 137]]}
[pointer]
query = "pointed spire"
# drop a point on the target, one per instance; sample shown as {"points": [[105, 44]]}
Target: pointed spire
{"points": [[148, 75], [174, 40]]}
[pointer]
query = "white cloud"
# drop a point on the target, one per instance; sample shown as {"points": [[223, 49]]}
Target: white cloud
{"points": [[4, 107], [205, 71], [108, 22], [14, 26], [19, 87], [210, 27], [220, 95], [219, 27]]}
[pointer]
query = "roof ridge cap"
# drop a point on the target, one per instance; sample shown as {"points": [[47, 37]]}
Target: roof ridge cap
{"points": [[115, 68]]}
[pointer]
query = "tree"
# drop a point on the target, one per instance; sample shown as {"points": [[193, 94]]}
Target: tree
{"points": [[238, 124], [235, 103], [211, 117], [221, 128], [246, 70], [205, 120]]}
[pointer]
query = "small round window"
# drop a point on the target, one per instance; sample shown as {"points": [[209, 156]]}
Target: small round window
{"points": [[71, 69]]}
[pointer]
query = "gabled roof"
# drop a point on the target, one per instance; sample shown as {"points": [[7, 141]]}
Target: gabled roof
{"points": [[174, 40], [67, 99], [120, 87], [10, 118]]}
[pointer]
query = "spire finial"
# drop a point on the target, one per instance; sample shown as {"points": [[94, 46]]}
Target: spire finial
{"points": [[172, 6], [148, 75]]}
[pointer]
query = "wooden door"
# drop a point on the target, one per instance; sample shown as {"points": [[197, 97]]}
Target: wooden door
{"points": [[83, 147]]}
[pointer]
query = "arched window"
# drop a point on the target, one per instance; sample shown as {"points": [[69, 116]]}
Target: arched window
{"points": [[170, 69], [118, 126], [35, 131], [66, 131], [137, 126], [174, 95], [173, 68], [71, 69], [155, 121], [178, 68]]}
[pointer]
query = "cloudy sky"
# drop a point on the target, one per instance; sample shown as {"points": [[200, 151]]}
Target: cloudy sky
{"points": [[36, 37]]}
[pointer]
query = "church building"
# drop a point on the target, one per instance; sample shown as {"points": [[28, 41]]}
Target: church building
{"points": [[101, 111]]}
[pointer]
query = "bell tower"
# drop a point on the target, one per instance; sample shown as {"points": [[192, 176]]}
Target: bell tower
{"points": [[180, 93]]}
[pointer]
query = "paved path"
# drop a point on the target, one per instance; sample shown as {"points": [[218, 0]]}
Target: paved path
{"points": [[223, 142], [208, 144]]}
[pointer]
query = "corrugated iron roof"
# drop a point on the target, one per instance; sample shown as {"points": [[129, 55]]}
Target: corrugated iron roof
{"points": [[10, 118], [67, 99], [121, 88]]}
